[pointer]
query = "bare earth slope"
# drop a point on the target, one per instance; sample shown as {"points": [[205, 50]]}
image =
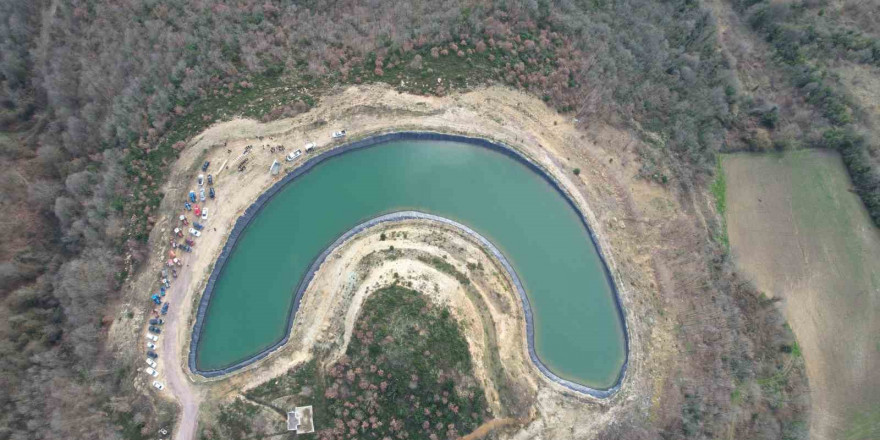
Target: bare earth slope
{"points": [[803, 237]]}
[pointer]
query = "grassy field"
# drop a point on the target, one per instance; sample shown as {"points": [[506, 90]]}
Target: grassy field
{"points": [[800, 233]]}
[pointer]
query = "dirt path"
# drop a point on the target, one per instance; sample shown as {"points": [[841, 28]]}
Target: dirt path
{"points": [[490, 426], [174, 355]]}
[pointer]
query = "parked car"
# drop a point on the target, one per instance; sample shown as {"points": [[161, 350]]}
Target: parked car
{"points": [[164, 311], [211, 192], [202, 194], [192, 196], [310, 147], [205, 165], [151, 372], [177, 232], [338, 134], [205, 214], [157, 321], [187, 206], [155, 329], [198, 226], [197, 210], [190, 242], [174, 273], [210, 179], [151, 346], [186, 248], [151, 363], [152, 354], [153, 338], [293, 155], [201, 179], [194, 232], [158, 385]]}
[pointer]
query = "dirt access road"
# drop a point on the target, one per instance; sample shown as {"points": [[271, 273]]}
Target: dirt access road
{"points": [[171, 350]]}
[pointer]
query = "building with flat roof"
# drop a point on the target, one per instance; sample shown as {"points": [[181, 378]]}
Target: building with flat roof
{"points": [[300, 420]]}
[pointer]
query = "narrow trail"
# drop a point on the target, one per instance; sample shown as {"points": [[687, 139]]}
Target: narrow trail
{"points": [[490, 426], [171, 352]]}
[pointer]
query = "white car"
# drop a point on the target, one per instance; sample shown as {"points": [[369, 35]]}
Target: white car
{"points": [[292, 156], [204, 213], [152, 372], [151, 346], [202, 194], [153, 338], [151, 363], [158, 385], [194, 232], [201, 179], [338, 134], [310, 147]]}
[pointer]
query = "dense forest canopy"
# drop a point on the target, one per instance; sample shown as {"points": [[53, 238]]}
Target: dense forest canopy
{"points": [[94, 92]]}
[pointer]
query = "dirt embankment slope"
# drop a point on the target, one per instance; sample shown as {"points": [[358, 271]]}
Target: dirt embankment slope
{"points": [[803, 237], [628, 215]]}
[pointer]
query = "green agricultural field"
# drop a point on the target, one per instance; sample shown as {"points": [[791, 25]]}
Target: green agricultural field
{"points": [[800, 233]]}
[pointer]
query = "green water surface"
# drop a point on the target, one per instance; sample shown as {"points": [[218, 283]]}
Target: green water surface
{"points": [[578, 334]]}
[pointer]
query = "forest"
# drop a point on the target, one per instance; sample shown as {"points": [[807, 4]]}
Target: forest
{"points": [[98, 96]]}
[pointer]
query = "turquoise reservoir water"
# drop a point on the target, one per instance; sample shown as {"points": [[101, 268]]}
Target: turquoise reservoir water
{"points": [[578, 333]]}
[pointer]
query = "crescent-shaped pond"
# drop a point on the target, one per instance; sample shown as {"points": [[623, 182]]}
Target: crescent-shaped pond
{"points": [[578, 328]]}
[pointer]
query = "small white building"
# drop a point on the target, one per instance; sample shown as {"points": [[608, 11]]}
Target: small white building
{"points": [[300, 420]]}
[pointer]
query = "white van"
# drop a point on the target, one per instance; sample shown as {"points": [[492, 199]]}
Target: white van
{"points": [[293, 155]]}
